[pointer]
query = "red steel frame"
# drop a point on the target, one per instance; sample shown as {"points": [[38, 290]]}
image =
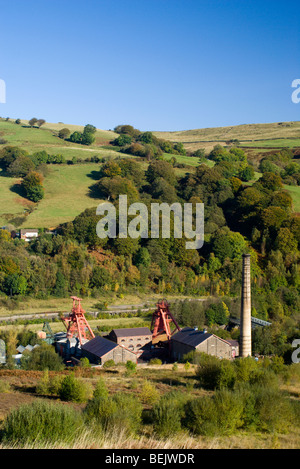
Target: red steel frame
{"points": [[161, 320], [76, 323]]}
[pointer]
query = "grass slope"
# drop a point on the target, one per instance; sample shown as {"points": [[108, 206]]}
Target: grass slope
{"points": [[46, 138], [276, 134], [66, 195], [67, 186]]}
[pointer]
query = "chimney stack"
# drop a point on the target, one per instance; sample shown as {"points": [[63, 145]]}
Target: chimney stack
{"points": [[245, 330]]}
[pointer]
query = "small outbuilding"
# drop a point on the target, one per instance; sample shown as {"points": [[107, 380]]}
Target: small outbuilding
{"points": [[192, 340], [99, 350]]}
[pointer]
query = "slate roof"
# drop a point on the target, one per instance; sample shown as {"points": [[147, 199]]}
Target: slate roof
{"points": [[193, 338], [132, 332], [190, 336], [99, 346]]}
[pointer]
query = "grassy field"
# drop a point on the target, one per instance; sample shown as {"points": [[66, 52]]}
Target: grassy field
{"points": [[12, 205], [295, 193], [275, 143], [21, 385], [189, 160], [113, 323], [69, 184], [247, 134], [46, 138]]}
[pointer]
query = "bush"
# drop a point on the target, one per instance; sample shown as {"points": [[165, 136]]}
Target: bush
{"points": [[101, 390], [274, 411], [245, 368], [73, 389], [101, 411], [42, 422], [214, 373], [250, 407], [201, 416], [129, 413], [149, 393], [41, 358], [187, 366], [109, 363], [49, 386], [229, 409], [122, 412], [155, 361], [42, 388], [167, 414], [216, 415], [130, 368]]}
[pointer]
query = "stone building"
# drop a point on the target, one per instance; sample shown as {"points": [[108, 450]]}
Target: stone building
{"points": [[191, 340], [136, 339], [99, 350]]}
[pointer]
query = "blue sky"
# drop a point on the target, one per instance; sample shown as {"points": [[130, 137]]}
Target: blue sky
{"points": [[157, 65]]}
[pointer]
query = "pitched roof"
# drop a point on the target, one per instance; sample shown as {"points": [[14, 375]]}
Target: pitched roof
{"points": [[234, 343], [99, 346], [190, 336], [28, 230], [132, 332]]}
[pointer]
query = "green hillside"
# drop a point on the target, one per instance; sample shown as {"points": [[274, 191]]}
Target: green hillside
{"points": [[35, 139], [273, 135], [250, 204], [67, 186]]}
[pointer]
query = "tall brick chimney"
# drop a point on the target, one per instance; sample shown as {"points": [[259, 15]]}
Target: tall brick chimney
{"points": [[245, 328]]}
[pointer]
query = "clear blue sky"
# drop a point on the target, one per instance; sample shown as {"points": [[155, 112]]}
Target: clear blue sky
{"points": [[154, 64]]}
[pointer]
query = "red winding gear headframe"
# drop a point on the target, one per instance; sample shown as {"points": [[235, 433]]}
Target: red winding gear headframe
{"points": [[76, 323], [161, 320]]}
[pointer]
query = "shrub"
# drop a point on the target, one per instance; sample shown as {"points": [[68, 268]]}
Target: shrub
{"points": [[245, 368], [264, 377], [216, 415], [42, 422], [109, 363], [149, 394], [155, 361], [55, 384], [122, 412], [229, 409], [73, 389], [41, 358], [214, 373], [167, 414], [129, 413], [274, 411], [42, 387], [101, 390], [187, 366], [102, 411], [201, 416], [130, 368]]}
